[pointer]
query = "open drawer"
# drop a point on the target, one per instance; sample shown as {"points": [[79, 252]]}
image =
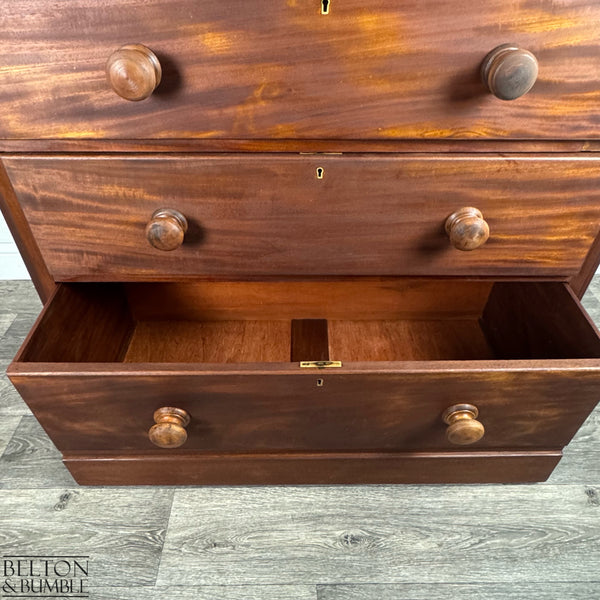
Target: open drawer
{"points": [[102, 358]]}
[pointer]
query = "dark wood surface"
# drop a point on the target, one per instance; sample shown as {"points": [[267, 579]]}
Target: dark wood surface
{"points": [[78, 324], [210, 342], [409, 339], [271, 215], [580, 282], [293, 146], [309, 340], [530, 320], [286, 409], [27, 245], [265, 70], [278, 406], [276, 542], [334, 468], [365, 298]]}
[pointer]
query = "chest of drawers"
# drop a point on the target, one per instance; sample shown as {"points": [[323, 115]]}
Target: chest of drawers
{"points": [[305, 241]]}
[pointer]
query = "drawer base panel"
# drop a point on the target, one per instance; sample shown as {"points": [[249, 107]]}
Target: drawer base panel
{"points": [[317, 468]]}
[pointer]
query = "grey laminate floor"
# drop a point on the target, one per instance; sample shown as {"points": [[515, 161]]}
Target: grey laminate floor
{"points": [[537, 541]]}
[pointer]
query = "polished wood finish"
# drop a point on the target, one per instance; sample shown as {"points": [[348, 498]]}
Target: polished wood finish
{"points": [[467, 229], [211, 341], [342, 138], [463, 427], [89, 406], [509, 72], [408, 339], [392, 69], [365, 298], [309, 340], [294, 146], [133, 72], [80, 324], [281, 407], [166, 229], [530, 320], [321, 468], [580, 282], [169, 426], [26, 243], [270, 215]]}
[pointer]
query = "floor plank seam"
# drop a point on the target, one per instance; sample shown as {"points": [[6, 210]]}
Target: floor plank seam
{"points": [[166, 535]]}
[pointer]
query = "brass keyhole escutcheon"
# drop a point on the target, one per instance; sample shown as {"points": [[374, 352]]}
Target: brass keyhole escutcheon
{"points": [[325, 7]]}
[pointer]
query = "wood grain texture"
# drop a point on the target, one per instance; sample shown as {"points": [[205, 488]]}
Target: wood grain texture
{"points": [[8, 425], [26, 243], [210, 592], [407, 340], [113, 468], [6, 320], [122, 531], [87, 324], [12, 405], [295, 530], [408, 534], [363, 298], [252, 70], [580, 282], [266, 406], [529, 320], [31, 460], [467, 591], [271, 216], [133, 72], [258, 412], [309, 340], [210, 342], [202, 146]]}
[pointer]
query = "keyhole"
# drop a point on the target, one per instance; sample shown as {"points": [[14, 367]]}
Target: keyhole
{"points": [[319, 383], [320, 172], [325, 4]]}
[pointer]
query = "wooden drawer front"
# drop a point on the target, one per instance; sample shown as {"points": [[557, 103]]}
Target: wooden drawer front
{"points": [[275, 411], [281, 70], [97, 365], [273, 215]]}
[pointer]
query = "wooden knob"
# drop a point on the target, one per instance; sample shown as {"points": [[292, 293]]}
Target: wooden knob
{"points": [[166, 229], [133, 72], [463, 426], [467, 229], [169, 431], [509, 72]]}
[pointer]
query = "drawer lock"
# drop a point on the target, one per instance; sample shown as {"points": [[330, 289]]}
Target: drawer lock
{"points": [[320, 364]]}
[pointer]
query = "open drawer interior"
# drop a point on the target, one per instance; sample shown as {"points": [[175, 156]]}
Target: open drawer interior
{"points": [[354, 320]]}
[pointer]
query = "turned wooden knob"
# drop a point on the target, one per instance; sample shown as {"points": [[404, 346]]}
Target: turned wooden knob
{"points": [[509, 72], [463, 426], [133, 72], [467, 229], [166, 229], [169, 431]]}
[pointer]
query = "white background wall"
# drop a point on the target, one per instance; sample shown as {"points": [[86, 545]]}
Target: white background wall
{"points": [[11, 265]]}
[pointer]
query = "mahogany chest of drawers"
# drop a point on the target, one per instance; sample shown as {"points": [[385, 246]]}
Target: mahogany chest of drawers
{"points": [[305, 241]]}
